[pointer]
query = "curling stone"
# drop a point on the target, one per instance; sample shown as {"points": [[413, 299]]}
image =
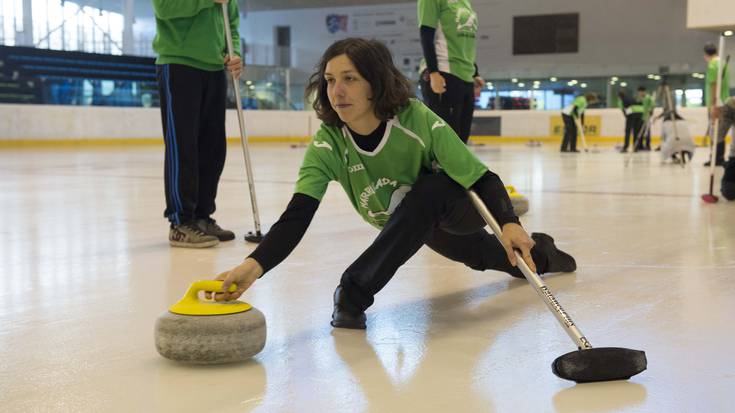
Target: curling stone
{"points": [[520, 202], [199, 331]]}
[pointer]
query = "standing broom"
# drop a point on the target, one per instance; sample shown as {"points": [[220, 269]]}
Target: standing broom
{"points": [[256, 236]]}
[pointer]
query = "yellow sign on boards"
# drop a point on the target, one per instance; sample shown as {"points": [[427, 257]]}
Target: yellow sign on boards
{"points": [[592, 125]]}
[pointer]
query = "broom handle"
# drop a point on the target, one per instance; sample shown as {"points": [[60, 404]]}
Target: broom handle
{"points": [[580, 127], [716, 123], [561, 316], [241, 122]]}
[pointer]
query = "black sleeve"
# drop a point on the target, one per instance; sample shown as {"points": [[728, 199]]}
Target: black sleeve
{"points": [[427, 44], [477, 71], [286, 233], [493, 193]]}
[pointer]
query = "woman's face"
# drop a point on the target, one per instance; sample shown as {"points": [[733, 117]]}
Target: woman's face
{"points": [[349, 93]]}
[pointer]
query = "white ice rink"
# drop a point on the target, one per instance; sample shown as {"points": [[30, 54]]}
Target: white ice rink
{"points": [[85, 270]]}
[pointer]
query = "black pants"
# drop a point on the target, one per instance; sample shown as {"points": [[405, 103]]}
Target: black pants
{"points": [[569, 142], [436, 212], [456, 106], [727, 121], [629, 131], [193, 118], [636, 120]]}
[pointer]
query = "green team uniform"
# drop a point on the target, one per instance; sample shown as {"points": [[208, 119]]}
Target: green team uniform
{"points": [[580, 102], [191, 46], [637, 107], [416, 141], [647, 107], [710, 80], [191, 33], [456, 29]]}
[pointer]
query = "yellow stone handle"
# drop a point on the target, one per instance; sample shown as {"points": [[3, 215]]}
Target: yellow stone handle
{"points": [[190, 304], [206, 285]]}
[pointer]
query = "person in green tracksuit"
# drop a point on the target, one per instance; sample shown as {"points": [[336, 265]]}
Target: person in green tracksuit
{"points": [[636, 118], [192, 56], [646, 107], [624, 104], [449, 75], [405, 172], [569, 115], [722, 109]]}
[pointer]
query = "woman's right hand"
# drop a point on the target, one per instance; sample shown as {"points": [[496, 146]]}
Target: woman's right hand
{"points": [[437, 82], [244, 275]]}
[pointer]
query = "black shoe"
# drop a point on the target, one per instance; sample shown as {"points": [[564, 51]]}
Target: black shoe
{"points": [[210, 227], [718, 162], [623, 150], [343, 317], [557, 260], [685, 158], [189, 235]]}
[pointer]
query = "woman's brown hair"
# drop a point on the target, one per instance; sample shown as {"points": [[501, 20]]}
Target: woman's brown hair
{"points": [[390, 88]]}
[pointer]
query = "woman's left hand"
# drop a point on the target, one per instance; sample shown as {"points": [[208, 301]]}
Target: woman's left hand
{"points": [[516, 238]]}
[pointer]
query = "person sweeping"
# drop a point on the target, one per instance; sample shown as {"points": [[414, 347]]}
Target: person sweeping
{"points": [[569, 115]]}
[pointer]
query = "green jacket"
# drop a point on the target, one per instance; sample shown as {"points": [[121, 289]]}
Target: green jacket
{"points": [[648, 105], [710, 80], [191, 32], [577, 108]]}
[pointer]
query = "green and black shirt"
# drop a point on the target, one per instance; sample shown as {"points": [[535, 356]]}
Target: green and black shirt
{"points": [[191, 33], [455, 37]]}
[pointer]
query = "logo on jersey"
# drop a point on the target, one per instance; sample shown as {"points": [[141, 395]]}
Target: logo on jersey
{"points": [[395, 200], [356, 168], [373, 188], [438, 124], [323, 145], [466, 20]]}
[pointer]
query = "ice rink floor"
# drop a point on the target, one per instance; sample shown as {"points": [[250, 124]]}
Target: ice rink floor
{"points": [[85, 270]]}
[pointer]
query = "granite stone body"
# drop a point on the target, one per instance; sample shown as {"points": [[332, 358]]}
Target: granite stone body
{"points": [[211, 339]]}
